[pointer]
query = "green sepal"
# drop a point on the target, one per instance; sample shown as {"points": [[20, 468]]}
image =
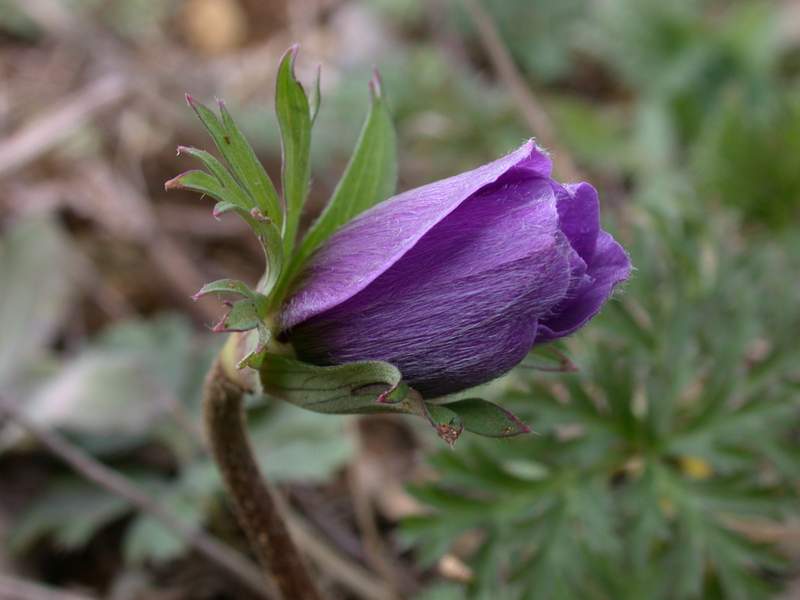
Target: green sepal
{"points": [[370, 177], [236, 287], [353, 388], [370, 387], [294, 119], [259, 344], [242, 316], [241, 158], [445, 422], [486, 418]]}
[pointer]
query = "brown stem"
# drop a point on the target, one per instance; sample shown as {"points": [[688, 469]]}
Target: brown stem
{"points": [[255, 505]]}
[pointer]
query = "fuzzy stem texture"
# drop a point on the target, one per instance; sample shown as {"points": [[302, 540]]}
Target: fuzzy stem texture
{"points": [[254, 503]]}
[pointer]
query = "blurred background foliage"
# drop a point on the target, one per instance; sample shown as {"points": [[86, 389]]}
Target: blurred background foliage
{"points": [[666, 467]]}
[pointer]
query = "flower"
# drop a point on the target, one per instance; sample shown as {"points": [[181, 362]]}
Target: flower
{"points": [[454, 282]]}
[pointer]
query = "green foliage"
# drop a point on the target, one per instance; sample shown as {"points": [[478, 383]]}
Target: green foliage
{"points": [[368, 386], [370, 177], [70, 511], [144, 391], [539, 33], [747, 158], [294, 118], [677, 431], [38, 279], [714, 111], [485, 418], [244, 187]]}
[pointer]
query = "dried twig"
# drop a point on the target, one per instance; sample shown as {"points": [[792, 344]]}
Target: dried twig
{"points": [[215, 551], [345, 572], [376, 551], [16, 588], [51, 128], [529, 107]]}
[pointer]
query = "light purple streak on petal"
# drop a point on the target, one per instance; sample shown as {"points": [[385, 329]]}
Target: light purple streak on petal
{"points": [[364, 249], [460, 307], [610, 266], [579, 211]]}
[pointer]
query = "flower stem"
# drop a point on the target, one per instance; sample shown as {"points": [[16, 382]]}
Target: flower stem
{"points": [[254, 503]]}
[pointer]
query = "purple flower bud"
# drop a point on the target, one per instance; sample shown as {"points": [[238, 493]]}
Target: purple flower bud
{"points": [[454, 282]]}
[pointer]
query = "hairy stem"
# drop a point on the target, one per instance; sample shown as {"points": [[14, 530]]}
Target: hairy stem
{"points": [[254, 503]]}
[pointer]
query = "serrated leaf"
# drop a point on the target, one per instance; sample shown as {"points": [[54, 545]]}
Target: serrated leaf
{"points": [[242, 159], [370, 177], [294, 119], [264, 228], [352, 388], [486, 418]]}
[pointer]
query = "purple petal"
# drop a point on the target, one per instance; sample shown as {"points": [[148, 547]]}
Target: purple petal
{"points": [[460, 307], [359, 253], [579, 212], [609, 266]]}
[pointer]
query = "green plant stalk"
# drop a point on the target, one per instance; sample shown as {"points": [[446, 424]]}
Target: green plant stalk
{"points": [[254, 503]]}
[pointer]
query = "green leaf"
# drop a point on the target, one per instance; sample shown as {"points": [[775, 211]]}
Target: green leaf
{"points": [[227, 286], [70, 510], [352, 388], [232, 197], [220, 208], [39, 278], [370, 177], [315, 97], [294, 119], [485, 418], [263, 227], [229, 186], [241, 158], [445, 422], [200, 181], [242, 316], [270, 238], [147, 540]]}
